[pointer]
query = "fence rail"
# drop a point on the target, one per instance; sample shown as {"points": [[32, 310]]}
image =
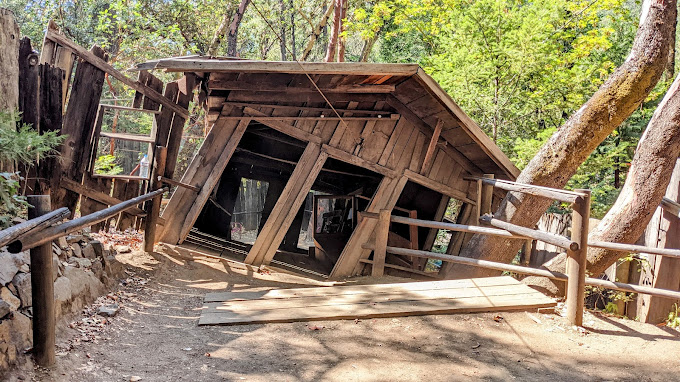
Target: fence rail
{"points": [[576, 246]]}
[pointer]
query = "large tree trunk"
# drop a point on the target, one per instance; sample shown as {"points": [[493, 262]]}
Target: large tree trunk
{"points": [[645, 186], [219, 33], [317, 31], [568, 148], [341, 37], [232, 38], [282, 18]]}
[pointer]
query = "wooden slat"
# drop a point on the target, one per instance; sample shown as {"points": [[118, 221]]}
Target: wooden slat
{"points": [[258, 86], [384, 300], [436, 186], [106, 67], [283, 127], [127, 137], [97, 195]]}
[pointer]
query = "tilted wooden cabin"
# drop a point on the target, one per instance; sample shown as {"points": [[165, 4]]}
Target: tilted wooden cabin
{"points": [[366, 136]]}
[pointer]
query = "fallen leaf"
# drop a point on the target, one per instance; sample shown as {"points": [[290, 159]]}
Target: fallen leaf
{"points": [[315, 327], [498, 318]]}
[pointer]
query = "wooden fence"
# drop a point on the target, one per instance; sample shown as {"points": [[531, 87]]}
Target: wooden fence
{"points": [[576, 246]]}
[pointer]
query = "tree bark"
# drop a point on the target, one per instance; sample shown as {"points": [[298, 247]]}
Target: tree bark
{"points": [[341, 37], [333, 40], [317, 32], [646, 183], [568, 148], [282, 18], [368, 46], [9, 62], [232, 38], [219, 34]]}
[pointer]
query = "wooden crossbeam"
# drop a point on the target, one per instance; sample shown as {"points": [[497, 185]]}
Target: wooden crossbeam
{"points": [[263, 87], [306, 108], [281, 126], [97, 195], [436, 186], [54, 35]]}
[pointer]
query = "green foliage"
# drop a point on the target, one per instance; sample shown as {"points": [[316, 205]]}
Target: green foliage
{"points": [[106, 164], [673, 320], [23, 146], [11, 204]]}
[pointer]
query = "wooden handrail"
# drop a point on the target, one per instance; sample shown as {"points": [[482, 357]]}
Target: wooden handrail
{"points": [[12, 233], [632, 248], [670, 206], [530, 271], [63, 229], [546, 192], [547, 237]]}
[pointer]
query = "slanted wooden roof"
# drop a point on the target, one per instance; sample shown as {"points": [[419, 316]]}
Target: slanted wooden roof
{"points": [[404, 89]]}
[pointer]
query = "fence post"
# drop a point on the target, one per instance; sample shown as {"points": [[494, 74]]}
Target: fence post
{"points": [[576, 260], [154, 205], [487, 195], [42, 285], [381, 234]]}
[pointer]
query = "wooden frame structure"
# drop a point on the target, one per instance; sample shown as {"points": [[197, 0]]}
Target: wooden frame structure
{"points": [[391, 119]]}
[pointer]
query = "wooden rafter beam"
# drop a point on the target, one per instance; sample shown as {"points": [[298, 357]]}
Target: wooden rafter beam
{"points": [[55, 36], [307, 118], [281, 126], [307, 108], [358, 161], [431, 147], [439, 187], [263, 87]]}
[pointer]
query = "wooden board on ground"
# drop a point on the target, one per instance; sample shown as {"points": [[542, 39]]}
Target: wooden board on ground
{"points": [[370, 301]]}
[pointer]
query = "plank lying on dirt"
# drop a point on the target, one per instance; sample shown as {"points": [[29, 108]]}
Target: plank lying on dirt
{"points": [[369, 301]]}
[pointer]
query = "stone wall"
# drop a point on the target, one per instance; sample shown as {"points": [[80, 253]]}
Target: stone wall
{"points": [[83, 270]]}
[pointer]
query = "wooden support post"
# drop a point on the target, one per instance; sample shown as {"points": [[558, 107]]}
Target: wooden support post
{"points": [[42, 285], [413, 230], [576, 260], [528, 247], [382, 231], [478, 206], [487, 196], [154, 205]]}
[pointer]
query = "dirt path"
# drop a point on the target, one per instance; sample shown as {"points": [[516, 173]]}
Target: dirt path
{"points": [[155, 337]]}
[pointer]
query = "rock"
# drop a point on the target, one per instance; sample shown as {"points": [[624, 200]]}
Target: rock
{"points": [[98, 248], [25, 268], [22, 281], [62, 243], [56, 267], [88, 252], [62, 290], [77, 252], [71, 239], [83, 282], [17, 220], [20, 331], [22, 258], [81, 262], [8, 267], [123, 249], [108, 310], [97, 267], [4, 308], [7, 296]]}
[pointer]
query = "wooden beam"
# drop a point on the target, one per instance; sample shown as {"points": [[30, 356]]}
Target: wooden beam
{"points": [[382, 231], [291, 198], [264, 87], [177, 183], [252, 66], [551, 238], [153, 208], [88, 56], [321, 118], [282, 127], [97, 195], [436, 186], [431, 147], [385, 197], [438, 216], [545, 192], [307, 108], [358, 161]]}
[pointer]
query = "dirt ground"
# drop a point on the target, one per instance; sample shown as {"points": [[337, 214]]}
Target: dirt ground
{"points": [[155, 337]]}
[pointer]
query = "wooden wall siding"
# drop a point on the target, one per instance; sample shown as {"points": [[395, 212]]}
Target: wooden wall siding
{"points": [[291, 199], [78, 126], [186, 86], [203, 172]]}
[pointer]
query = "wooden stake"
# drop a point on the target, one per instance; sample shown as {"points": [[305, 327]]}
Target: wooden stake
{"points": [[154, 206], [42, 285], [576, 259], [382, 231]]}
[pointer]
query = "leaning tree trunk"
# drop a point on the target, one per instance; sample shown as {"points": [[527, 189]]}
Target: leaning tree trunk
{"points": [[219, 33], [645, 186], [568, 148]]}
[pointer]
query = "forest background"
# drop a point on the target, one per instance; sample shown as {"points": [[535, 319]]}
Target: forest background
{"points": [[518, 68]]}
